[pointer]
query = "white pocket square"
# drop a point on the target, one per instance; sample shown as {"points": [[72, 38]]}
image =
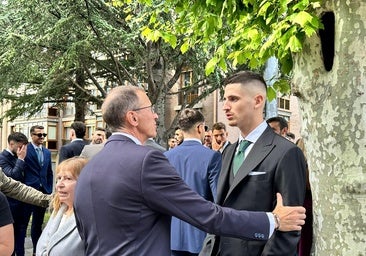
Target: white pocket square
{"points": [[256, 173]]}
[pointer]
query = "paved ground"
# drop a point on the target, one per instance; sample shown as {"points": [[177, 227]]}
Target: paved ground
{"points": [[28, 246]]}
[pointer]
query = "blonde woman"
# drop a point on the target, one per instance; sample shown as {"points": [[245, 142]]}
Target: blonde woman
{"points": [[60, 236]]}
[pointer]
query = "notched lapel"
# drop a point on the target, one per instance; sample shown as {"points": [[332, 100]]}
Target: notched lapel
{"points": [[60, 233], [260, 151], [225, 171]]}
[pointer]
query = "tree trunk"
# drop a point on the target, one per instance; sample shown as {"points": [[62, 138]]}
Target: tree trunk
{"points": [[333, 107], [80, 96]]}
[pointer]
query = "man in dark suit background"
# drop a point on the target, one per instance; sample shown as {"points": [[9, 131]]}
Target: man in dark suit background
{"points": [[13, 165], [271, 165], [39, 175], [199, 167], [219, 134], [74, 148], [127, 193]]}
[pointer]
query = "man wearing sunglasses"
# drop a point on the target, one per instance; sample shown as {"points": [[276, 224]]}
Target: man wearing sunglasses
{"points": [[39, 175]]}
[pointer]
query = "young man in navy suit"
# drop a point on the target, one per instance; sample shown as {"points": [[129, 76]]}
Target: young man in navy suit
{"points": [[39, 175], [199, 167], [74, 148], [127, 193], [270, 164], [13, 165]]}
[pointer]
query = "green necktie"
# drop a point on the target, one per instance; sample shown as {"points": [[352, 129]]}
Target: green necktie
{"points": [[239, 156]]}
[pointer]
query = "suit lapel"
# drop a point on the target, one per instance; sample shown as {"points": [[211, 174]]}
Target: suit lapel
{"points": [[59, 233], [260, 151], [225, 172]]}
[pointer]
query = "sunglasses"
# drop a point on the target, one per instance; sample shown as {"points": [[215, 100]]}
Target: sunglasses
{"points": [[39, 135]]}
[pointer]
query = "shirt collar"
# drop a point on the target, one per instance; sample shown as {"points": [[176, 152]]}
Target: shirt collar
{"points": [[35, 146], [134, 139], [192, 139], [255, 134]]}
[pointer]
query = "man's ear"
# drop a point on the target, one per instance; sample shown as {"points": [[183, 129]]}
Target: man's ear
{"points": [[259, 100], [132, 119]]}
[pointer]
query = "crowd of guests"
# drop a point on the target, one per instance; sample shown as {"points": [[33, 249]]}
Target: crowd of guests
{"points": [[225, 198]]}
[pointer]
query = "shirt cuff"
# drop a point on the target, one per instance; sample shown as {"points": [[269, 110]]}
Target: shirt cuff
{"points": [[272, 223]]}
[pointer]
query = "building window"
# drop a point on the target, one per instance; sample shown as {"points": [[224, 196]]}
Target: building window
{"points": [[283, 103], [187, 95], [52, 111], [52, 137]]}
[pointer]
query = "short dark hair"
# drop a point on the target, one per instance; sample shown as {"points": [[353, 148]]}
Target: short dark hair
{"points": [[17, 137], [219, 126], [40, 127], [79, 128], [189, 117], [100, 129], [282, 121], [244, 77]]}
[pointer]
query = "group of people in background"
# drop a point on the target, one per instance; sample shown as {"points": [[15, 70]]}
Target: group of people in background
{"points": [[222, 196], [30, 163]]}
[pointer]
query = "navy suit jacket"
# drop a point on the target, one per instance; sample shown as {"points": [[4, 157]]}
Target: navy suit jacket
{"points": [[35, 175], [273, 165], [125, 197], [72, 149], [14, 168], [199, 167]]}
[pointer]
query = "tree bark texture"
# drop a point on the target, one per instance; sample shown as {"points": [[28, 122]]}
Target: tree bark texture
{"points": [[333, 107]]}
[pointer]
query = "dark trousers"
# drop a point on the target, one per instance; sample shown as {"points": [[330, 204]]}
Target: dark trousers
{"points": [[183, 253], [37, 221], [20, 227]]}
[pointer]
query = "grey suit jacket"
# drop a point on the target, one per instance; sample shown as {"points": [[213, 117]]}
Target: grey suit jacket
{"points": [[91, 150], [60, 240], [126, 195], [274, 164]]}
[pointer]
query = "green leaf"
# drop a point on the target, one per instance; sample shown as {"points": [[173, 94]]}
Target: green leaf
{"points": [[271, 93], [302, 18], [283, 86], [294, 44], [185, 47], [211, 65]]}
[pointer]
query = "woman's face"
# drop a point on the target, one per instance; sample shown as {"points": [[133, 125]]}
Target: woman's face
{"points": [[65, 187]]}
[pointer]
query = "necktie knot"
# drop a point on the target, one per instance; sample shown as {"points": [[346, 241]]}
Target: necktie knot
{"points": [[243, 145]]}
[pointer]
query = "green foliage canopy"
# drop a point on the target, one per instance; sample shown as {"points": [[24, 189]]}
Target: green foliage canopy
{"points": [[234, 32]]}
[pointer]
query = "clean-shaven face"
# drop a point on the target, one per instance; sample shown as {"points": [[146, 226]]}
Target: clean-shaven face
{"points": [[239, 105], [65, 187], [147, 117]]}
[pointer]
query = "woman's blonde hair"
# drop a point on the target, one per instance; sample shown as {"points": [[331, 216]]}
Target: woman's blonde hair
{"points": [[74, 165]]}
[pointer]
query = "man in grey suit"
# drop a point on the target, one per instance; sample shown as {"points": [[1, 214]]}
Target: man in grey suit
{"points": [[126, 194], [99, 137], [271, 164]]}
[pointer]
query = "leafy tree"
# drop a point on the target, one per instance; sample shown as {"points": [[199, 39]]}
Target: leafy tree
{"points": [[245, 32], [61, 51]]}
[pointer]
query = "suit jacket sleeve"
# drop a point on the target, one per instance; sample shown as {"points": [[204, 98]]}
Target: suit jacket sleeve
{"points": [[165, 192], [214, 173], [16, 172], [62, 154], [290, 182], [22, 192]]}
